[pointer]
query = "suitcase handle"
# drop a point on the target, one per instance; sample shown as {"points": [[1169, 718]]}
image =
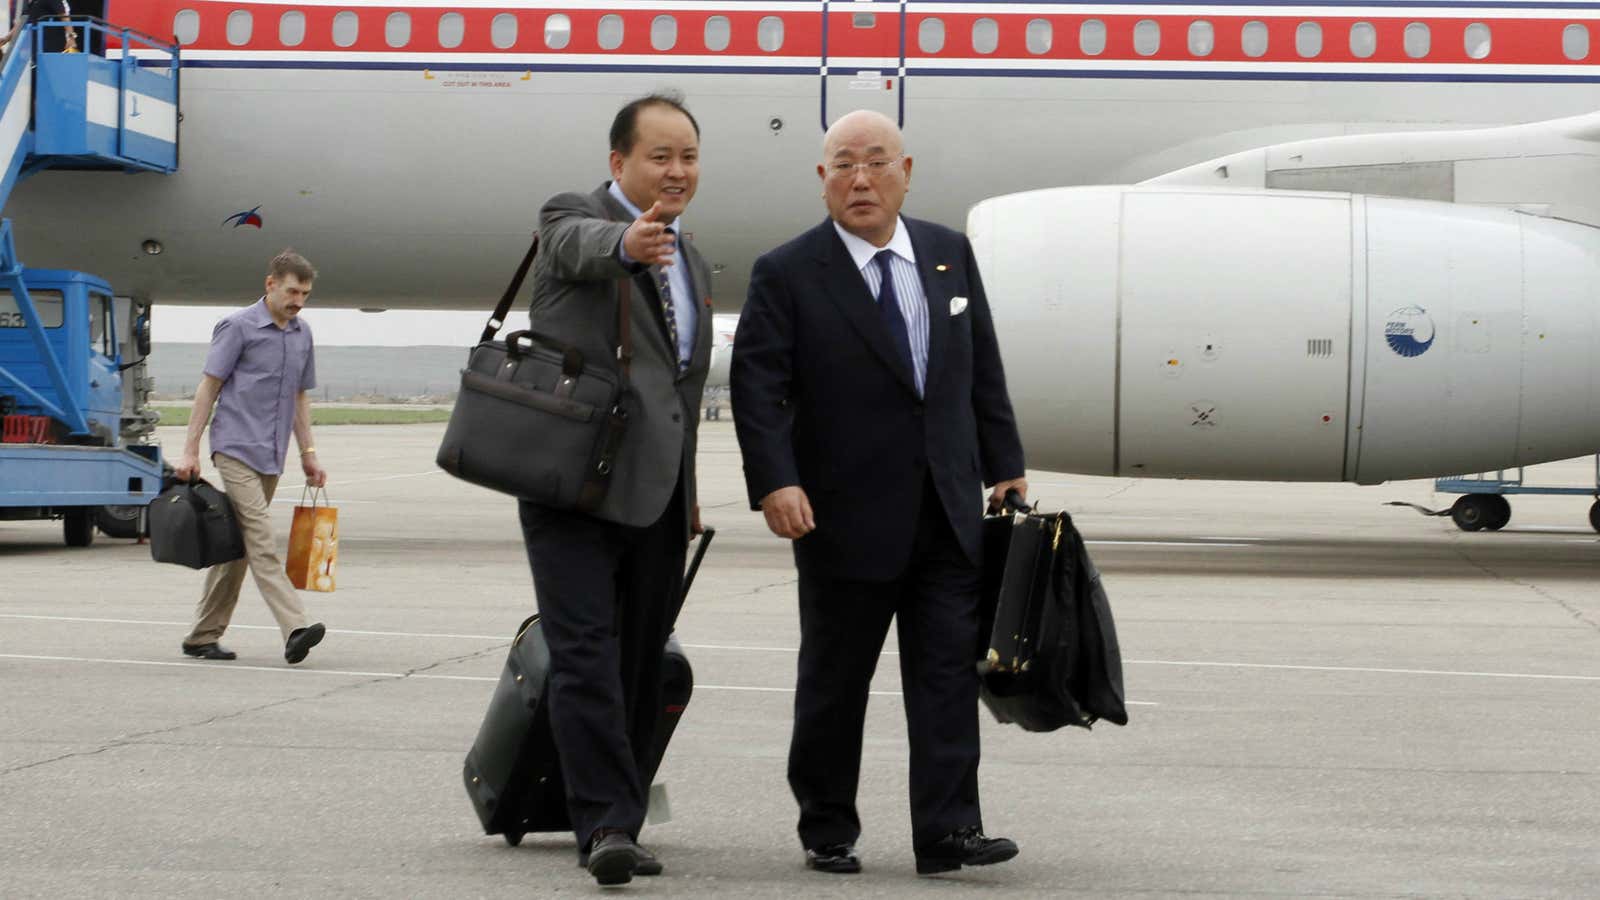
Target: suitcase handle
{"points": [[694, 564]]}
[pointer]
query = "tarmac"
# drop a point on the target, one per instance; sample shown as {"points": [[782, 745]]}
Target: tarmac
{"points": [[1329, 698]]}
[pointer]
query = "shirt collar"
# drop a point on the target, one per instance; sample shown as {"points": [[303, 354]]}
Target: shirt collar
{"points": [[260, 317], [636, 212], [862, 251]]}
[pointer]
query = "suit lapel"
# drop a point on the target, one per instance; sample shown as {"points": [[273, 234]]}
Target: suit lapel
{"points": [[935, 296], [644, 282], [700, 281], [842, 283]]}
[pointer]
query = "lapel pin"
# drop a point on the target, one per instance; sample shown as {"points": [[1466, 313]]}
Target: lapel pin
{"points": [[941, 267]]}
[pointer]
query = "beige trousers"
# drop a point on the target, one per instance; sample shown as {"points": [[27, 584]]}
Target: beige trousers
{"points": [[250, 492]]}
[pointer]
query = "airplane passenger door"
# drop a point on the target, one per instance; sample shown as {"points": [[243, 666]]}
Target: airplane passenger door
{"points": [[863, 58]]}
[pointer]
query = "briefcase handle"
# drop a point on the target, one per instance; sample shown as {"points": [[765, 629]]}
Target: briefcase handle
{"points": [[497, 319], [1013, 503]]}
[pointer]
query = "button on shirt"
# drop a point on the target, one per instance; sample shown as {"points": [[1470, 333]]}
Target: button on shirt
{"points": [[263, 369], [684, 308], [907, 288]]}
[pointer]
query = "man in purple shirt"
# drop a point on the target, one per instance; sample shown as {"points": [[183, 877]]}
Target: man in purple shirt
{"points": [[257, 374]]}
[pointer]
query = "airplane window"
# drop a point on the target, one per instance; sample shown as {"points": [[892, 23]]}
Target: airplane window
{"points": [[864, 20], [1147, 37], [397, 29], [930, 35], [1417, 40], [985, 35], [1477, 40], [1092, 37], [292, 28], [452, 30], [186, 26], [1363, 40], [1575, 41], [718, 33], [610, 32], [1040, 35], [663, 32], [557, 31], [769, 33], [503, 30], [346, 28], [1308, 40], [240, 23], [1253, 39], [1202, 38]]}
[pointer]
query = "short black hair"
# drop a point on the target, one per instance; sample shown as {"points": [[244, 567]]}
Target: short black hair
{"points": [[625, 127]]}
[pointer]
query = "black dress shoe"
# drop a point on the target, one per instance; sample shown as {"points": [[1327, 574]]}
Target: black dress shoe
{"points": [[212, 650], [963, 847], [840, 859], [613, 857], [648, 864], [301, 640]]}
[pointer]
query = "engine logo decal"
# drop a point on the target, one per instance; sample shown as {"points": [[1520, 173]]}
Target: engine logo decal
{"points": [[1409, 331], [248, 217]]}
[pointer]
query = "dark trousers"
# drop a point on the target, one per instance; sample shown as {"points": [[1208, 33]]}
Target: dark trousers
{"points": [[842, 627], [608, 595]]}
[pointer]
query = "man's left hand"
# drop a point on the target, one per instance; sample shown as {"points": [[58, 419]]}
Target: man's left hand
{"points": [[997, 497], [695, 528], [316, 476]]}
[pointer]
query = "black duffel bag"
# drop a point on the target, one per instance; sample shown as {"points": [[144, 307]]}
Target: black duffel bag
{"points": [[533, 418], [192, 524]]}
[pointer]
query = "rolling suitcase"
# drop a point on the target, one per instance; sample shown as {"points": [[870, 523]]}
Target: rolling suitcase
{"points": [[512, 773], [192, 524], [1051, 656]]}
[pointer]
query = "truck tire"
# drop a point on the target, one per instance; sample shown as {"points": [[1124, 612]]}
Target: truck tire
{"points": [[121, 521], [78, 526]]}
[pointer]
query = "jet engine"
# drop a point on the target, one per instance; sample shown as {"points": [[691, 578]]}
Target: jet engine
{"points": [[1290, 336]]}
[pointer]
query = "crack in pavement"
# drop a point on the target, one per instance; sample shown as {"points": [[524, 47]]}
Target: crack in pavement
{"points": [[139, 737], [1573, 611]]}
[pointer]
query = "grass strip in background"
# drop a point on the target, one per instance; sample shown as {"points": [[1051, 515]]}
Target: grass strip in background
{"points": [[334, 415]]}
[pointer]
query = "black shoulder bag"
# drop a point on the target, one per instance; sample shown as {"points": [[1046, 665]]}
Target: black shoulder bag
{"points": [[533, 418]]}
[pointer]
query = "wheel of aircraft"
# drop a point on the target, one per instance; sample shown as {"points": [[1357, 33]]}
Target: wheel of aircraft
{"points": [[1472, 512], [1594, 516], [1499, 512]]}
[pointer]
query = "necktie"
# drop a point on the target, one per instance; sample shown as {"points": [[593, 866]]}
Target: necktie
{"points": [[889, 309], [664, 288]]}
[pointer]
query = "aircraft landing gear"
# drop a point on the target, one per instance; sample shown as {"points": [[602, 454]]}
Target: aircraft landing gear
{"points": [[1472, 512]]}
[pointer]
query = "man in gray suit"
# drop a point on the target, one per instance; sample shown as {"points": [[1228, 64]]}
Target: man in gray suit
{"points": [[609, 583]]}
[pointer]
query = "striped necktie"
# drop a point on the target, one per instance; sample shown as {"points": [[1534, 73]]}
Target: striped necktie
{"points": [[664, 288]]}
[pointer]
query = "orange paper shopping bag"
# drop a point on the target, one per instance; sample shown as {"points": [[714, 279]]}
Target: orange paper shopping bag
{"points": [[314, 543]]}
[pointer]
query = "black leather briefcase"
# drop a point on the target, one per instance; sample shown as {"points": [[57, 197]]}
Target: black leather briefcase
{"points": [[192, 524], [534, 418], [1050, 656]]}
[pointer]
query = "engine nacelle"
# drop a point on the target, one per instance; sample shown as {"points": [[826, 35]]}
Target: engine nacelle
{"points": [[1290, 336]]}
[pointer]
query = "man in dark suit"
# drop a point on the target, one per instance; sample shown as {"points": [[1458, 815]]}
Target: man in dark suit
{"points": [[869, 400], [609, 583]]}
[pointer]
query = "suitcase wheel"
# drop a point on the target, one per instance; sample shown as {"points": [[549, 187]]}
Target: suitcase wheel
{"points": [[513, 838]]}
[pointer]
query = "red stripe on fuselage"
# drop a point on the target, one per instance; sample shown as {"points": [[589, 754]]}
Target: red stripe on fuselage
{"points": [[1525, 40]]}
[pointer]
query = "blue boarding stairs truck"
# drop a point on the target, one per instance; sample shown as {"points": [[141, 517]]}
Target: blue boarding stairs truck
{"points": [[67, 450]]}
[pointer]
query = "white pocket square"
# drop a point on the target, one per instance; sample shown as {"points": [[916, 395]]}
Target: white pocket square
{"points": [[958, 305]]}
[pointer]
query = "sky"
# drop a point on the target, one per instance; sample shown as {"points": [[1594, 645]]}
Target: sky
{"points": [[336, 327]]}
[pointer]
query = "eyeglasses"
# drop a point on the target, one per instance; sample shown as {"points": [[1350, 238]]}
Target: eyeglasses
{"points": [[875, 168]]}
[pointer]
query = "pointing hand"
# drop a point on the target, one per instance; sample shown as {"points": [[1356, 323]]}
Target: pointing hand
{"points": [[648, 240]]}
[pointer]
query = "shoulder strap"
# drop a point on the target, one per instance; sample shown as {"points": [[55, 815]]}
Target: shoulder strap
{"points": [[497, 319]]}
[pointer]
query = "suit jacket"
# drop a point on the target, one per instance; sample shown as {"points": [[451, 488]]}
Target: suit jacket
{"points": [[822, 400], [575, 289]]}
